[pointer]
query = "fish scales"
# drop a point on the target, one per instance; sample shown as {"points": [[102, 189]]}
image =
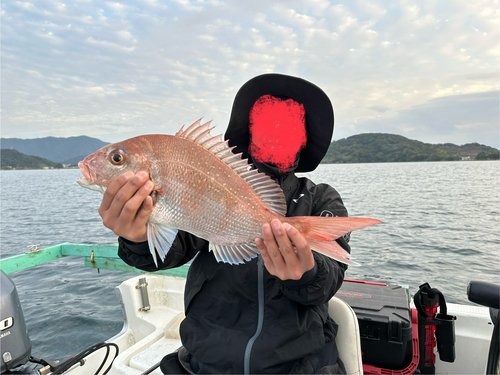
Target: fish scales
{"points": [[205, 196], [203, 188]]}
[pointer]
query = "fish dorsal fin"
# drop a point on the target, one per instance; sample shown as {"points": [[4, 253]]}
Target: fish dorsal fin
{"points": [[264, 186]]}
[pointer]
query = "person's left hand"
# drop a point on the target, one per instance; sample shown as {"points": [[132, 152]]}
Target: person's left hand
{"points": [[285, 251]]}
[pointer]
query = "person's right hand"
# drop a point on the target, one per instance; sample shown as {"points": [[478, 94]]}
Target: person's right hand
{"points": [[127, 205]]}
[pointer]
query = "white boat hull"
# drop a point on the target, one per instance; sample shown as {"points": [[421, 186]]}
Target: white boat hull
{"points": [[147, 336]]}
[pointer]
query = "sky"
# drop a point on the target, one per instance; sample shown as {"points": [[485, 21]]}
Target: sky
{"points": [[424, 69]]}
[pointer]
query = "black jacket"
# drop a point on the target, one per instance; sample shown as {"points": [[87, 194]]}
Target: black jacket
{"points": [[239, 318]]}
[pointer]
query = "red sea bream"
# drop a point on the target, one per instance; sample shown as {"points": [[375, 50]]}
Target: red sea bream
{"points": [[203, 188]]}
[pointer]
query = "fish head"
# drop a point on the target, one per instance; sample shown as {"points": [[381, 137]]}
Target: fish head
{"points": [[106, 164]]}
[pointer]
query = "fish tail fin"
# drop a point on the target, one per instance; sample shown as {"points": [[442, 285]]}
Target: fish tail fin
{"points": [[160, 240], [332, 250], [321, 233]]}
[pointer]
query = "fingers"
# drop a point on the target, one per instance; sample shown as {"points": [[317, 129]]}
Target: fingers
{"points": [[145, 210], [302, 249], [130, 201], [268, 261], [112, 189], [121, 191], [285, 251], [127, 205], [270, 251]]}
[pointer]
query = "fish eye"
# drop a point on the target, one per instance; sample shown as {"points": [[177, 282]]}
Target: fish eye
{"points": [[117, 156]]}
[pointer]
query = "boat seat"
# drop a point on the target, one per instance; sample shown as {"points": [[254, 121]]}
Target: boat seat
{"points": [[348, 338]]}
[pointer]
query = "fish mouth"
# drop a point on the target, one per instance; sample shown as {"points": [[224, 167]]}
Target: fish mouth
{"points": [[90, 176], [89, 180]]}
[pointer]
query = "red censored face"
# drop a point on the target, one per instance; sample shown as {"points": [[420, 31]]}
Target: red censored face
{"points": [[277, 131]]}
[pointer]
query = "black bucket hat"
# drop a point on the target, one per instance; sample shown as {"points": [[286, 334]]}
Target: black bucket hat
{"points": [[317, 105]]}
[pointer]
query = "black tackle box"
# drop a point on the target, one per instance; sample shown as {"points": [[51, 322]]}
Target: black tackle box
{"points": [[385, 323]]}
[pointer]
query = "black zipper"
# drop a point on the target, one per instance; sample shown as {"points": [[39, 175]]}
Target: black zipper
{"points": [[260, 318]]}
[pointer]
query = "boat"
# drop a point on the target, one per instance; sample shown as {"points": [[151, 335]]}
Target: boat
{"points": [[383, 328]]}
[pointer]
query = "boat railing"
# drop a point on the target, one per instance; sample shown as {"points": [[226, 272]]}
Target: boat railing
{"points": [[94, 256]]}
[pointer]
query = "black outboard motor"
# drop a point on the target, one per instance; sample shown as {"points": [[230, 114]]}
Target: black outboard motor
{"points": [[15, 344]]}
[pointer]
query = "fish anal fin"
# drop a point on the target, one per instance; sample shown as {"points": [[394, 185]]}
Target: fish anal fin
{"points": [[234, 254]]}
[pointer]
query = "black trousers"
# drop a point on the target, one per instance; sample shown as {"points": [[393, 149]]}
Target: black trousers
{"points": [[170, 364]]}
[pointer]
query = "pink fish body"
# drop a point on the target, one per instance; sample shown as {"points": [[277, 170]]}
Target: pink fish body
{"points": [[203, 188]]}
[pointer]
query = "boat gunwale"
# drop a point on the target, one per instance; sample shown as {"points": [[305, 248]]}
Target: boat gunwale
{"points": [[94, 256]]}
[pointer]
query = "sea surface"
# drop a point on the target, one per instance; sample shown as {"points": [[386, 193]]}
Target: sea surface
{"points": [[441, 225]]}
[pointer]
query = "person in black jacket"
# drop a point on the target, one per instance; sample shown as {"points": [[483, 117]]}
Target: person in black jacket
{"points": [[269, 315]]}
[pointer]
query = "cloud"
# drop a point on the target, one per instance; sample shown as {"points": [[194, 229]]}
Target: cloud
{"points": [[456, 119], [113, 69], [109, 45]]}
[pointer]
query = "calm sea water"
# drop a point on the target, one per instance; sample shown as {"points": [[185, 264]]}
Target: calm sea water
{"points": [[441, 226]]}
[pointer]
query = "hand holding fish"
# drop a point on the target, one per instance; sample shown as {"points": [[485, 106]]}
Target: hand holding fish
{"points": [[127, 205], [285, 251]]}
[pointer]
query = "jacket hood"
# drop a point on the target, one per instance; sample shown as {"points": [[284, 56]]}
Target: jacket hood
{"points": [[319, 118]]}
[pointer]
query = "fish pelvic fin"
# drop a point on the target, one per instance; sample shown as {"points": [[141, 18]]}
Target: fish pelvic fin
{"points": [[234, 254], [321, 233], [160, 240]]}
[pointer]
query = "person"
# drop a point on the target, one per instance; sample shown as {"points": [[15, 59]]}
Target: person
{"points": [[270, 314]]}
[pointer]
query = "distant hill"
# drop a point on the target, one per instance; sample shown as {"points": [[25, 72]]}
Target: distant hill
{"points": [[474, 151], [361, 148], [13, 159], [61, 150], [382, 147]]}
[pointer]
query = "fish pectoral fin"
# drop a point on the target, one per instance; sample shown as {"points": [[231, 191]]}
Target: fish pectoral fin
{"points": [[234, 254], [160, 240]]}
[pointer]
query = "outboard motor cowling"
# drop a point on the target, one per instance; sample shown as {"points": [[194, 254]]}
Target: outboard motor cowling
{"points": [[15, 344]]}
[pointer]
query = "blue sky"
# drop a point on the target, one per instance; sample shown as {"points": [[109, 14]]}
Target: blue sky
{"points": [[427, 70]]}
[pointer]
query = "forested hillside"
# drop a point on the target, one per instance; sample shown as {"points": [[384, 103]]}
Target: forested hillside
{"points": [[61, 150], [382, 147], [13, 159]]}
